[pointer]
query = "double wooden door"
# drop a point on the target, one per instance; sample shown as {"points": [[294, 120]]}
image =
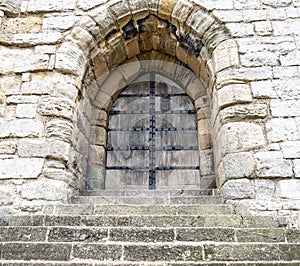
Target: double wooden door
{"points": [[152, 137]]}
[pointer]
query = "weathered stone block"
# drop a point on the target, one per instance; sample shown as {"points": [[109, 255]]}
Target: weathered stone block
{"points": [[225, 55], [82, 38], [21, 128], [200, 22], [45, 189], [57, 107], [282, 129], [163, 252], [36, 251], [242, 252], [291, 149], [205, 234], [87, 4], [280, 108], [297, 168], [97, 251], [21, 168], [31, 39], [65, 234], [240, 136], [288, 189], [59, 129], [238, 189], [26, 110], [142, 235], [37, 87], [239, 113], [48, 148], [293, 235], [264, 188], [11, 8], [8, 146], [238, 165], [33, 63], [37, 6], [70, 59], [95, 176], [28, 234], [260, 235], [104, 19], [166, 8], [263, 28], [234, 94], [272, 164], [59, 22], [22, 25]]}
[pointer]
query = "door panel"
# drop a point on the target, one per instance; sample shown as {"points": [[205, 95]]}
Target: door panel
{"points": [[152, 137]]}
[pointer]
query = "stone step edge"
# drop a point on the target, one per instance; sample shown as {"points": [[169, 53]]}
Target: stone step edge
{"points": [[232, 220], [147, 263], [143, 192]]}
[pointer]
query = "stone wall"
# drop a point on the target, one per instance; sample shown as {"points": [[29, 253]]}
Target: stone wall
{"points": [[63, 63]]}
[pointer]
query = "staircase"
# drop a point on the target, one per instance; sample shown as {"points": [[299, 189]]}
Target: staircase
{"points": [[147, 228]]}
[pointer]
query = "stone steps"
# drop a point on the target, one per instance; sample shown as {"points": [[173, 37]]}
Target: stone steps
{"points": [[94, 230]]}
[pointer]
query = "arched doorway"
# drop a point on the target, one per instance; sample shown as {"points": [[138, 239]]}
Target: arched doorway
{"points": [[152, 137]]}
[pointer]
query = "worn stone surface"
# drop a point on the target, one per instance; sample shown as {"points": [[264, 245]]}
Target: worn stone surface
{"points": [[272, 164], [20, 128], [56, 107], [238, 189], [55, 149], [45, 189], [238, 165], [21, 168]]}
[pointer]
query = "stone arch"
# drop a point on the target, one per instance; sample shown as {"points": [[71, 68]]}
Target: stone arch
{"points": [[181, 31]]}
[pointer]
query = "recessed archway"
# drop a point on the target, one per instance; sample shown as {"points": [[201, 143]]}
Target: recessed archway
{"points": [[112, 54]]}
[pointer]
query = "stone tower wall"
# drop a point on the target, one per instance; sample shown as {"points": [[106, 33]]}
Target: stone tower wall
{"points": [[64, 62]]}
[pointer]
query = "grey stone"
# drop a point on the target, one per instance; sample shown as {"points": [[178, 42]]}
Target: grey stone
{"points": [[37, 87], [70, 59], [26, 111], [21, 168], [45, 6], [281, 108], [288, 189], [88, 4], [142, 235], [97, 251], [59, 22], [38, 251], [241, 136], [57, 107], [59, 129], [260, 235], [28, 234], [45, 189], [264, 189], [238, 165], [11, 8], [282, 129], [66, 234], [48, 148], [239, 113], [291, 149], [205, 234], [8, 146], [242, 252], [172, 252], [272, 164], [238, 189]]}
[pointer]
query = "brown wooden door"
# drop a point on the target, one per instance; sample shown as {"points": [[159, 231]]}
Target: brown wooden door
{"points": [[152, 137]]}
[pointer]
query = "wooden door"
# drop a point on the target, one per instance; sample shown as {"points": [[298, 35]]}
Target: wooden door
{"points": [[152, 137]]}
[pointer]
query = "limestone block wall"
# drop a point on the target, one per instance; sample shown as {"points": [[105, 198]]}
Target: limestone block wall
{"points": [[64, 62]]}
